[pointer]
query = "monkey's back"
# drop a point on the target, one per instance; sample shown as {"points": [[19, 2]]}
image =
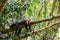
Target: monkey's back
{"points": [[16, 25]]}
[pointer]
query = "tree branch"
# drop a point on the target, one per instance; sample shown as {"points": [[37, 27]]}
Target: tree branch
{"points": [[31, 23], [40, 30], [2, 5], [45, 19]]}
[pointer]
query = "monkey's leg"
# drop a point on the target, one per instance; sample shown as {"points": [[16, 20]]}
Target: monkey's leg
{"points": [[16, 31], [19, 31], [30, 28], [26, 28]]}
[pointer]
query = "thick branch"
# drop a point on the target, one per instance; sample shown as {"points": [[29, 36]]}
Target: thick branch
{"points": [[2, 5], [31, 23], [58, 24]]}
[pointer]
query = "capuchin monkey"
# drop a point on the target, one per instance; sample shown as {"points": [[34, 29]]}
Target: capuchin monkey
{"points": [[21, 25]]}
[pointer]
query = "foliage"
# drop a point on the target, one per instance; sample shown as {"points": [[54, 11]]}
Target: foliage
{"points": [[15, 11]]}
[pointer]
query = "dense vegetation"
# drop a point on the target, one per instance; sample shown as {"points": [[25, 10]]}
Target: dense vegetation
{"points": [[17, 10]]}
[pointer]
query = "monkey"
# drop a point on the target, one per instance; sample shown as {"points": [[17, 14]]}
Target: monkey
{"points": [[23, 23]]}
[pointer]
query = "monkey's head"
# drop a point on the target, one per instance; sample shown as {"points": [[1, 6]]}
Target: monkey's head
{"points": [[28, 20]]}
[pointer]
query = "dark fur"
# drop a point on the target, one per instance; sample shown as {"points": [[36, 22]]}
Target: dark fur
{"points": [[16, 25]]}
